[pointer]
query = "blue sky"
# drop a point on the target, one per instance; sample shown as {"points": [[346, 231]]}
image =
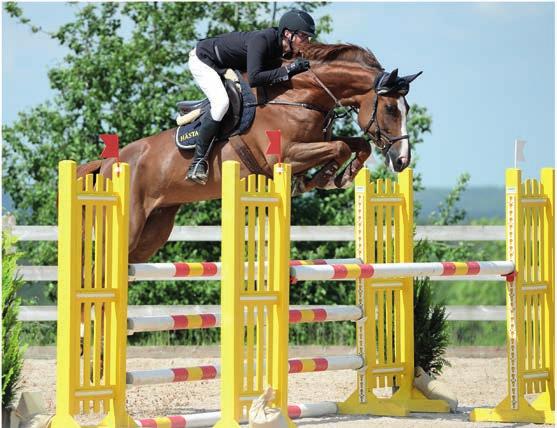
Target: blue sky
{"points": [[489, 76]]}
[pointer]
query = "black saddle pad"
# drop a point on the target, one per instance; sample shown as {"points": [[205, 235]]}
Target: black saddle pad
{"points": [[187, 135], [237, 120]]}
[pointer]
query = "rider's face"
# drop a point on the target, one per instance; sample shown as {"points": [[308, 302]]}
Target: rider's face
{"points": [[298, 39], [302, 37]]}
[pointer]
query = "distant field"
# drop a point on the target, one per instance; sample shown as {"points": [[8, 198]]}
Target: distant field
{"points": [[479, 202]]}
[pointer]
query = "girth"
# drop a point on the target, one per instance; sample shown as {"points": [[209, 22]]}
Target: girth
{"points": [[257, 164]]}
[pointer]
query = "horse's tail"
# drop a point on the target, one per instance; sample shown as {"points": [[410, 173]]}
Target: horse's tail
{"points": [[92, 167]]}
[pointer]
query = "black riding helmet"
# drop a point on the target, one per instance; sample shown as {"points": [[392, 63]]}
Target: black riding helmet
{"points": [[297, 20]]}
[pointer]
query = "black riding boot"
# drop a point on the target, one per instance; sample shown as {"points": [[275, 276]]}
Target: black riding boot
{"points": [[199, 168]]}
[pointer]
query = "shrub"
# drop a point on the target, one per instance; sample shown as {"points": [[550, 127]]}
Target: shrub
{"points": [[12, 353]]}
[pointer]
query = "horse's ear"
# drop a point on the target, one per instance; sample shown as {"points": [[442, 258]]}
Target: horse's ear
{"points": [[386, 82], [393, 77], [403, 83], [390, 83], [411, 78]]}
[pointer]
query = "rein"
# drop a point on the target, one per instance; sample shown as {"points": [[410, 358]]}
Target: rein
{"points": [[289, 103], [381, 139]]}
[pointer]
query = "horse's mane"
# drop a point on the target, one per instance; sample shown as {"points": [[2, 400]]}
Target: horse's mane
{"points": [[341, 52]]}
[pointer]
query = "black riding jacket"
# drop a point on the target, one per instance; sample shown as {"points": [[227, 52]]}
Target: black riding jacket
{"points": [[257, 52]]}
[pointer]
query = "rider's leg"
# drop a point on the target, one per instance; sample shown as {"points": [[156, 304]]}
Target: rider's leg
{"points": [[199, 167], [211, 84]]}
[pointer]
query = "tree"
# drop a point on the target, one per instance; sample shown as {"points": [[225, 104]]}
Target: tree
{"points": [[127, 82], [113, 82]]}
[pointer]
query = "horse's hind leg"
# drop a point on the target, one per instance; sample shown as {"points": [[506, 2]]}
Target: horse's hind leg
{"points": [[155, 233]]}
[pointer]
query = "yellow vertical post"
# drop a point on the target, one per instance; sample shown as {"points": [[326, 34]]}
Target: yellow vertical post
{"points": [[116, 311], [372, 200], [77, 390], [363, 400], [408, 396], [69, 279], [264, 301], [406, 255], [546, 401], [232, 280], [521, 204], [281, 286]]}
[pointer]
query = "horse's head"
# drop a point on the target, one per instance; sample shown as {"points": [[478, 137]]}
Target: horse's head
{"points": [[383, 116]]}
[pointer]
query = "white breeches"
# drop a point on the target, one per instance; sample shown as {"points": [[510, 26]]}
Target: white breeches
{"points": [[210, 83]]}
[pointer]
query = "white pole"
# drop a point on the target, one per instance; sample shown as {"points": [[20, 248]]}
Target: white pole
{"points": [[198, 420]]}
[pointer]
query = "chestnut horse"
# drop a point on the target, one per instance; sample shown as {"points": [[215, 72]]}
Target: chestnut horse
{"points": [[341, 74]]}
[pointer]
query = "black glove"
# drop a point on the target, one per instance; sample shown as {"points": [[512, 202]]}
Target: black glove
{"points": [[298, 66]]}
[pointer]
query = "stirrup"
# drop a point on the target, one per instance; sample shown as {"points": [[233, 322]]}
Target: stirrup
{"points": [[193, 173]]}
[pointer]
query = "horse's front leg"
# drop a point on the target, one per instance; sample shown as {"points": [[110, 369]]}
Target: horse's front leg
{"points": [[362, 149], [331, 154]]}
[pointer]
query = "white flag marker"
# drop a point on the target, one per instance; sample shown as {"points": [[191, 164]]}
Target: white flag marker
{"points": [[519, 151]]}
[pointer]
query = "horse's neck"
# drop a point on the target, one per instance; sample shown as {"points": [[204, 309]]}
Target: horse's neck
{"points": [[346, 81]]}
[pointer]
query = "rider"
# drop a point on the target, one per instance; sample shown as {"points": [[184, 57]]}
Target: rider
{"points": [[246, 51]]}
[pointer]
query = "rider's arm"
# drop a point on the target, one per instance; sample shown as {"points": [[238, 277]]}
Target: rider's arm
{"points": [[257, 75]]}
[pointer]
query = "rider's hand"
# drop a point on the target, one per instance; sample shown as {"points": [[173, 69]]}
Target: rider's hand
{"points": [[298, 66]]}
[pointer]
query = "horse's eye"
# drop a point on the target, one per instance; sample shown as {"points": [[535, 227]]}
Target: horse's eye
{"points": [[391, 109]]}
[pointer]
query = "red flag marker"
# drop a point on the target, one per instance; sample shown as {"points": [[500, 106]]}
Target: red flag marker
{"points": [[111, 149], [274, 144]]}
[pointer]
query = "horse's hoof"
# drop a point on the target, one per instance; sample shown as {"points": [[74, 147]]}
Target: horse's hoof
{"points": [[341, 183], [298, 187]]}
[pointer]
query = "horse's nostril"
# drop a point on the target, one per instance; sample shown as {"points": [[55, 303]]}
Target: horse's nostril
{"points": [[402, 161]]}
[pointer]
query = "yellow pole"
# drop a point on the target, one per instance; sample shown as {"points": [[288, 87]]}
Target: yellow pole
{"points": [[69, 280], [232, 316], [257, 296], [281, 285], [116, 312], [547, 400], [406, 250]]}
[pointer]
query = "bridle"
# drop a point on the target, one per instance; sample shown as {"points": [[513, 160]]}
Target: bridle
{"points": [[382, 140]]}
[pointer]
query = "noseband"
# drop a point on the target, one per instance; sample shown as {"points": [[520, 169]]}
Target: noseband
{"points": [[381, 139]]}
